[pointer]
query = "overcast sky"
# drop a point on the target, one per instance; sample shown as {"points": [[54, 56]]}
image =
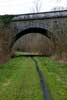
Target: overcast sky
{"points": [[27, 6]]}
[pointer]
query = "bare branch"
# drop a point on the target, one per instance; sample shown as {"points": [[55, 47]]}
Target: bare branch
{"points": [[36, 6]]}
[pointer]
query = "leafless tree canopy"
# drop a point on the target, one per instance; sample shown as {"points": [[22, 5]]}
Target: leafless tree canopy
{"points": [[58, 8], [36, 6]]}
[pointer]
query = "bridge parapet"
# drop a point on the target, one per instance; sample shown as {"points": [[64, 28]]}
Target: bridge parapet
{"points": [[43, 15]]}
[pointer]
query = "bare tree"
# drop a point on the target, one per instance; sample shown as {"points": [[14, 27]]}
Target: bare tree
{"points": [[57, 8], [36, 6]]}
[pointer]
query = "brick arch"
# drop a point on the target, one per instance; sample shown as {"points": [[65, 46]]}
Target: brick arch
{"points": [[33, 30]]}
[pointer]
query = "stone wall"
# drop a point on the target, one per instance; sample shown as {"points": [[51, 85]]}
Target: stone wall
{"points": [[6, 38]]}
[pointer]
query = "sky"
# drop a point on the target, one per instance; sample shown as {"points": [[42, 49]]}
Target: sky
{"points": [[28, 6]]}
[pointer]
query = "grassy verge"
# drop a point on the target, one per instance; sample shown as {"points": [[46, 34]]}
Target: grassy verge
{"points": [[56, 77], [19, 80]]}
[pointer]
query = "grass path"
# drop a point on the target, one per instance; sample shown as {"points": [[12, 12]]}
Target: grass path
{"points": [[19, 80], [46, 93], [56, 77]]}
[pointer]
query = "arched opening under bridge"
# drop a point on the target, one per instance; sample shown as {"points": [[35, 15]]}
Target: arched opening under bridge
{"points": [[41, 44]]}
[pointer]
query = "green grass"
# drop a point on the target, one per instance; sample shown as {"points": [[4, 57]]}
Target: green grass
{"points": [[22, 53], [18, 53], [56, 77], [19, 80]]}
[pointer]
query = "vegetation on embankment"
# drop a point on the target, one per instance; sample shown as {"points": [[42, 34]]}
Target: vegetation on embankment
{"points": [[6, 19], [56, 77], [19, 80]]}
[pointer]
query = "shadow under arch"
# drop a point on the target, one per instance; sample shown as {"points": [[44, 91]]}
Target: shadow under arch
{"points": [[34, 30]]}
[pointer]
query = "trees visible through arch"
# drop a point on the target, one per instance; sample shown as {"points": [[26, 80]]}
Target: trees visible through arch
{"points": [[35, 31], [34, 43]]}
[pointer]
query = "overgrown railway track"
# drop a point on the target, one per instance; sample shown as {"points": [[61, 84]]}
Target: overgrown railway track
{"points": [[45, 90]]}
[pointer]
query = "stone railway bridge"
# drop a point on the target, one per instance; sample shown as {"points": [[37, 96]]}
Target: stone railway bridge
{"points": [[51, 24]]}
